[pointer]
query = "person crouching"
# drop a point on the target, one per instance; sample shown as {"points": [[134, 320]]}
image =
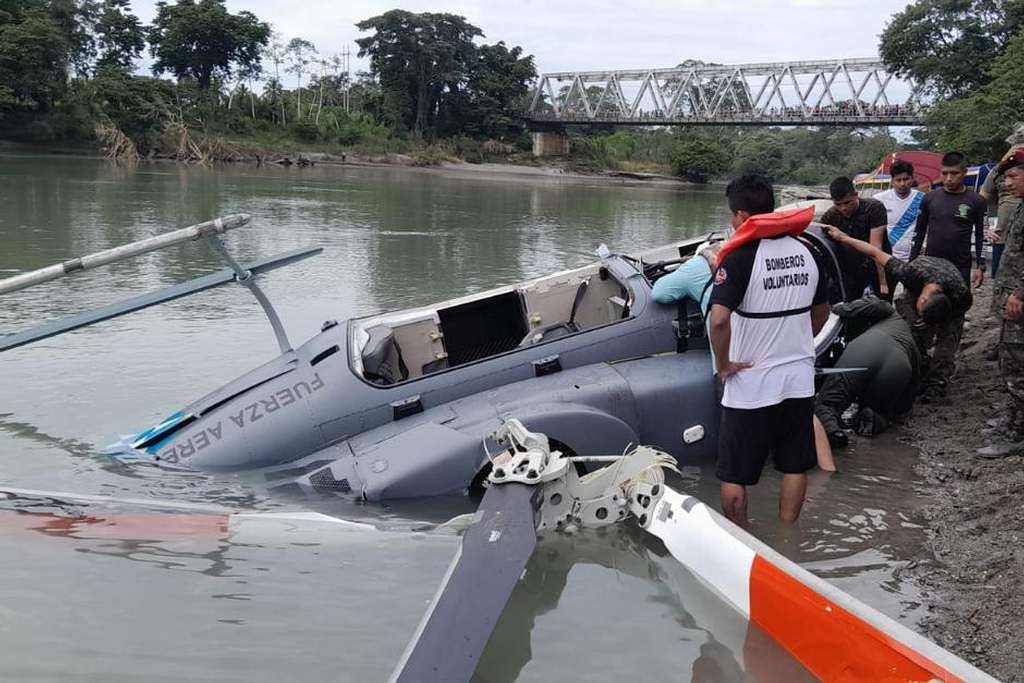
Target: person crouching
{"points": [[882, 347]]}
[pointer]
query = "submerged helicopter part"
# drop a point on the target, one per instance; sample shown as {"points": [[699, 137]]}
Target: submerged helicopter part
{"points": [[832, 635]]}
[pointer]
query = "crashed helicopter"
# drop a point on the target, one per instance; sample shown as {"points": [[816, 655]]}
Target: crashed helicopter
{"points": [[398, 405], [516, 387]]}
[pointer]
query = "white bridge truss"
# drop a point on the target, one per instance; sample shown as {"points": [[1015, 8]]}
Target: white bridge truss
{"points": [[852, 92]]}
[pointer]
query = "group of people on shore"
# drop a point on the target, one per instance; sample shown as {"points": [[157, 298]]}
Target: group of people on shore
{"points": [[907, 270]]}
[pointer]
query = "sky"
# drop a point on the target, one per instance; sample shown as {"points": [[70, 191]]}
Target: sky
{"points": [[609, 34]]}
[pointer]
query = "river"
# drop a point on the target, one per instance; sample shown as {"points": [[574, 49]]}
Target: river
{"points": [[86, 600]]}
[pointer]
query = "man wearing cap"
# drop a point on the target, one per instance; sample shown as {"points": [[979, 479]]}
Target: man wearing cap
{"points": [[1009, 293]]}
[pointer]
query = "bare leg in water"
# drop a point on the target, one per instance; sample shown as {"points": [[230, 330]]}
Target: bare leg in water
{"points": [[791, 498], [822, 447], [734, 503]]}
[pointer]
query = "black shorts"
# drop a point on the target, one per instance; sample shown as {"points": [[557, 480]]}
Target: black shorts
{"points": [[746, 437]]}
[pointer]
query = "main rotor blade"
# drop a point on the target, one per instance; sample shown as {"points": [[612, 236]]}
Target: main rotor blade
{"points": [[221, 277], [490, 561], [101, 258]]}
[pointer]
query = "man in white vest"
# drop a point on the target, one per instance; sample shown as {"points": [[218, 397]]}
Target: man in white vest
{"points": [[768, 302]]}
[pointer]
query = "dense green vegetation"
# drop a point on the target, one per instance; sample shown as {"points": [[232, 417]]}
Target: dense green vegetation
{"points": [[225, 85], [68, 75], [796, 155], [969, 57]]}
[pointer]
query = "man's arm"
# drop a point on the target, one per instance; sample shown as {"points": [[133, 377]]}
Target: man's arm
{"points": [[721, 339], [877, 236], [819, 315], [920, 229], [721, 333], [978, 276], [869, 250]]}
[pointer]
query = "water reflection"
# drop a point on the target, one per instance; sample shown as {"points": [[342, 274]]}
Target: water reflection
{"points": [[674, 628], [859, 527]]}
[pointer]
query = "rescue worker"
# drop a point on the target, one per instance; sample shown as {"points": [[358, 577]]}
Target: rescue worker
{"points": [[692, 280], [937, 296], [768, 302], [881, 342], [1009, 293], [947, 219]]}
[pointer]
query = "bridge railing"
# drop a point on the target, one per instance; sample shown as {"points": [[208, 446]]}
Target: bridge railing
{"points": [[838, 92]]}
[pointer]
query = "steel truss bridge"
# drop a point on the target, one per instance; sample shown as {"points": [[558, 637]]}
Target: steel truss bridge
{"points": [[844, 92]]}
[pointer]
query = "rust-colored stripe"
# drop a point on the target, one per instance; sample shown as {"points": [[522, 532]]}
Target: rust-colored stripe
{"points": [[140, 525], [834, 644]]}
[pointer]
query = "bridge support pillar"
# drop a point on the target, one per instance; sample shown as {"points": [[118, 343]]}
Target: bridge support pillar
{"points": [[547, 143]]}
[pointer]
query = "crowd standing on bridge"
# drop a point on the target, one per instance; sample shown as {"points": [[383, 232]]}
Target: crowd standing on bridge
{"points": [[728, 110], [906, 268]]}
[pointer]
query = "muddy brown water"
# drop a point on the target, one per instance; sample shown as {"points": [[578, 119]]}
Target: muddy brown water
{"points": [[85, 600]]}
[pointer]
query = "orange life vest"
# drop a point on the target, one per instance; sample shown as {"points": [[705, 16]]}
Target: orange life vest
{"points": [[791, 222]]}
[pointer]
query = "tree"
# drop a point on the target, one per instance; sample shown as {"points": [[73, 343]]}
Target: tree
{"points": [[497, 85], [274, 51], [73, 19], [137, 105], [33, 61], [418, 58], [948, 46], [200, 39], [120, 37], [698, 159], [300, 53], [979, 123]]}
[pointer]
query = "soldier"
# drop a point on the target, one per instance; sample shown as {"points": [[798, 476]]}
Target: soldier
{"points": [[1009, 293], [937, 296], [949, 217]]}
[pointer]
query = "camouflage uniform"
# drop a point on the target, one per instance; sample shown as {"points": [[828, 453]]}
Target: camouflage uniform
{"points": [[937, 369], [1011, 339]]}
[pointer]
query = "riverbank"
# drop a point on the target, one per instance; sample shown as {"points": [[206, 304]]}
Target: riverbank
{"points": [[514, 169], [975, 521]]}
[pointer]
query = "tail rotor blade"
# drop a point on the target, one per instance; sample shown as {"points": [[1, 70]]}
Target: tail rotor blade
{"points": [[490, 561]]}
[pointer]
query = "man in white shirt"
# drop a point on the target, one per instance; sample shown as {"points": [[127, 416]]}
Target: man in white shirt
{"points": [[902, 204], [768, 302]]}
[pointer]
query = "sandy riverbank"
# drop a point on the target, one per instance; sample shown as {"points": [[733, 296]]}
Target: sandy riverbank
{"points": [[975, 515], [513, 170]]}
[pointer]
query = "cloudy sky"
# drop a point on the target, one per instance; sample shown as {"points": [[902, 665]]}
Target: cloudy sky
{"points": [[609, 34]]}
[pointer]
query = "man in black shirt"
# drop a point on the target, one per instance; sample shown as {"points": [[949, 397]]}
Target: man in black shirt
{"points": [[947, 219], [865, 220]]}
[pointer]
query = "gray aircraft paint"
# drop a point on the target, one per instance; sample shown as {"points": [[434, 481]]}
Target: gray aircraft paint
{"points": [[322, 428]]}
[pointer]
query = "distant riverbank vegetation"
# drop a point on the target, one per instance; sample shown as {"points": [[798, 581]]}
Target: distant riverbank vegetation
{"points": [[225, 86]]}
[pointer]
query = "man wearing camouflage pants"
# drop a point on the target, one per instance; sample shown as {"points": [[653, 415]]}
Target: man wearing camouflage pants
{"points": [[1009, 293]]}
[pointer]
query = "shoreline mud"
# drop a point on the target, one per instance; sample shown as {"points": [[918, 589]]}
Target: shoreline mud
{"points": [[512, 170], [975, 517]]}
